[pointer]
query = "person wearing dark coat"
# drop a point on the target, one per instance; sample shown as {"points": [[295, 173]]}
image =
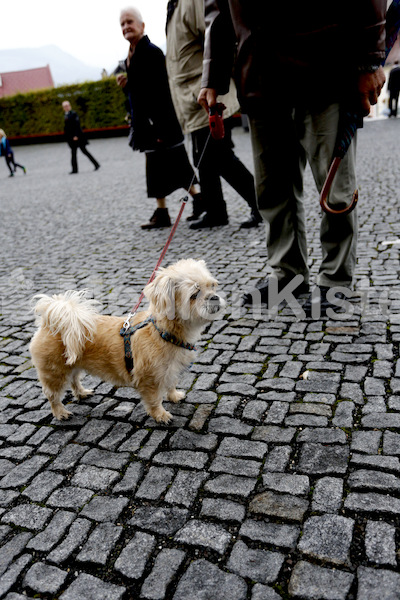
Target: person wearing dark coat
{"points": [[75, 137], [394, 89], [155, 129], [7, 152]]}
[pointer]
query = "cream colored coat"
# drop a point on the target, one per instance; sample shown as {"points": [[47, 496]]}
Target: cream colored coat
{"points": [[184, 57]]}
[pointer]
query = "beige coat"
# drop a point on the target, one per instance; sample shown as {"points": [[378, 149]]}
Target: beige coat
{"points": [[185, 40]]}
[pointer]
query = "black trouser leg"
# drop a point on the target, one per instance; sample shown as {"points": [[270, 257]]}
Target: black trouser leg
{"points": [[90, 157], [10, 163], [210, 182], [74, 162]]}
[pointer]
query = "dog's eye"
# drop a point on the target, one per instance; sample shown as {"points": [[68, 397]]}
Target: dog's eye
{"points": [[195, 295]]}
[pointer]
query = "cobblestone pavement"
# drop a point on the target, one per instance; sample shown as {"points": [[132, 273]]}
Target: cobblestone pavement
{"points": [[267, 484]]}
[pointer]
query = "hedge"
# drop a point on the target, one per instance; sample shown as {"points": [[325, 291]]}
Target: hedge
{"points": [[100, 104]]}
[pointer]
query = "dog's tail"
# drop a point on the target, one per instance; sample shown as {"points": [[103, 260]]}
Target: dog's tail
{"points": [[71, 315]]}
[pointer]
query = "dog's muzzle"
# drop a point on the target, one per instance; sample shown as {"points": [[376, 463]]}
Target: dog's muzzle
{"points": [[214, 304]]}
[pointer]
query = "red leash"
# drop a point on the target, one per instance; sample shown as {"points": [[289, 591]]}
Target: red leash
{"points": [[217, 131]]}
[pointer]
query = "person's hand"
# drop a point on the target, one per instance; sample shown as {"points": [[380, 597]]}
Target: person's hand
{"points": [[75, 138], [370, 86], [122, 79], [207, 98]]}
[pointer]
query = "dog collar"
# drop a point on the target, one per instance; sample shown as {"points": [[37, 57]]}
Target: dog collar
{"points": [[166, 336]]}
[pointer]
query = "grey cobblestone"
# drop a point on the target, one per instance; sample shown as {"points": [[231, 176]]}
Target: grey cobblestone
{"points": [[265, 484]]}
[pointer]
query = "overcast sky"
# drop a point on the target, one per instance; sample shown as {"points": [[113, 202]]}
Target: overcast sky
{"points": [[87, 29]]}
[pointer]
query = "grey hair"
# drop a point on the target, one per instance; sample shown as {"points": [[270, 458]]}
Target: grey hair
{"points": [[131, 10]]}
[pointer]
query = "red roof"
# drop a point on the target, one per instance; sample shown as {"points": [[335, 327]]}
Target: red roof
{"points": [[25, 81]]}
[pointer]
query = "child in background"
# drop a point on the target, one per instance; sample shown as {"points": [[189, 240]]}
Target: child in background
{"points": [[6, 151]]}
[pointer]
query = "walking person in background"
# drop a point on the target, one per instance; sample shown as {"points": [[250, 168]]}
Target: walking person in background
{"points": [[185, 41], [7, 152], [321, 58], [75, 137], [155, 129], [394, 89]]}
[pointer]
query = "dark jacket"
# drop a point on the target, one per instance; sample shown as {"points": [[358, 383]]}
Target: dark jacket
{"points": [[294, 51], [154, 121], [72, 128], [394, 81]]}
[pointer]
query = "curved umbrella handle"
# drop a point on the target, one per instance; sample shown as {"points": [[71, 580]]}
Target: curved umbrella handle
{"points": [[323, 199]]}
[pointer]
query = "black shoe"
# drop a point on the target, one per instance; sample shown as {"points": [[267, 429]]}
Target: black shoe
{"points": [[209, 221], [317, 303], [11, 175], [198, 208], [97, 167], [254, 221], [160, 218], [73, 172], [263, 288]]}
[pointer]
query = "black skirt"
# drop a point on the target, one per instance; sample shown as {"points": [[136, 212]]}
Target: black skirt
{"points": [[167, 170]]}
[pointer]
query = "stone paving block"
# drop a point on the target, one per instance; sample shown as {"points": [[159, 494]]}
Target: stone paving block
{"points": [[68, 457], [264, 592], [223, 510], [200, 417], [284, 482], [5, 466], [387, 463], [227, 425], [188, 440], [8, 579], [155, 483], [87, 587], [70, 497], [317, 459], [130, 480], [12, 549], [381, 420], [231, 485], [46, 539], [44, 579], [372, 503], [327, 496], [204, 580], [275, 534], [180, 458], [380, 543], [277, 459], [93, 431], [133, 559], [76, 536], [322, 435], [273, 434], [235, 466], [100, 544], [231, 446], [134, 442], [30, 516], [166, 564], [344, 415], [7, 497], [56, 441], [262, 566], [93, 478], [391, 443], [367, 441], [185, 487], [207, 535], [164, 521], [255, 410], [374, 480], [104, 508], [319, 583], [377, 584], [282, 506], [105, 458], [327, 538], [24, 472], [152, 445], [42, 486]]}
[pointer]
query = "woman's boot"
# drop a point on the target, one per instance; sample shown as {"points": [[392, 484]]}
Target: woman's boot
{"points": [[160, 218]]}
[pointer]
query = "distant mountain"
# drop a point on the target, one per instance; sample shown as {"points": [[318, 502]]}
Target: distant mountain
{"points": [[65, 69]]}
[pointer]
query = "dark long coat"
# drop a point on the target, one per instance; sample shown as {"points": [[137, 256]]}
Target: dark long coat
{"points": [[72, 128], [154, 121]]}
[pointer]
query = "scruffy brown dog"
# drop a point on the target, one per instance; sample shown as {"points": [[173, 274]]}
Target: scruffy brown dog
{"points": [[73, 337]]}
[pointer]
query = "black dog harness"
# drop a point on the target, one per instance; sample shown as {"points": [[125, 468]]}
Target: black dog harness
{"points": [[168, 337]]}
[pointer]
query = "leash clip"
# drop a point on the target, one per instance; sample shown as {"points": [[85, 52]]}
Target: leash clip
{"points": [[127, 323]]}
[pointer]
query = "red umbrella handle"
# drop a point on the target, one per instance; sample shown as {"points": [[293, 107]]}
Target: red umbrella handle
{"points": [[323, 199]]}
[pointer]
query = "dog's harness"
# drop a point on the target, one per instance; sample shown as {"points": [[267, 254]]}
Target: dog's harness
{"points": [[166, 336]]}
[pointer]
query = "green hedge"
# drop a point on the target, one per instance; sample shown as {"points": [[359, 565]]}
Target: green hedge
{"points": [[99, 104]]}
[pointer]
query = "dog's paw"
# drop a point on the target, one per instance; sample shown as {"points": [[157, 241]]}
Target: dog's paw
{"points": [[160, 415], [61, 413], [84, 393], [175, 396]]}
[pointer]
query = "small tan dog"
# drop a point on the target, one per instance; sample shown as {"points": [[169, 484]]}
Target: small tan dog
{"points": [[73, 337]]}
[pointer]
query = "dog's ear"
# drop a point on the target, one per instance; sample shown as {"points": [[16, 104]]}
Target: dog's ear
{"points": [[161, 294]]}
